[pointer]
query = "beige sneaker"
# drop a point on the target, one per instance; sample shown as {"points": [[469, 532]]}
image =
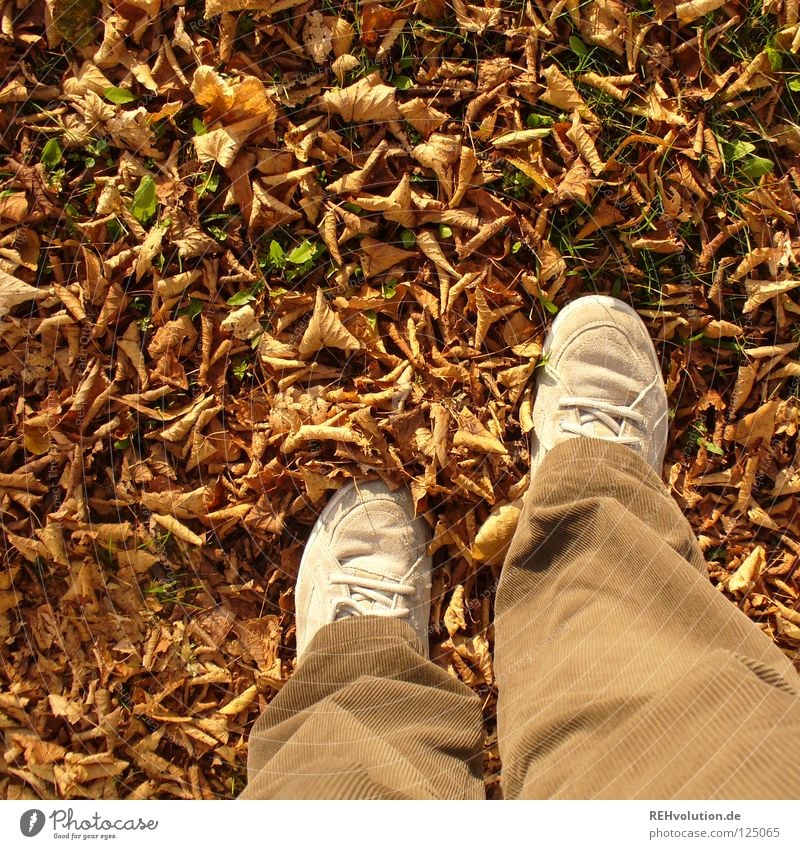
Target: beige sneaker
{"points": [[601, 378], [366, 556]]}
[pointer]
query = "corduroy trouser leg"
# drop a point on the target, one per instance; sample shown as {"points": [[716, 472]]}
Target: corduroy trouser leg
{"points": [[367, 716], [622, 673]]}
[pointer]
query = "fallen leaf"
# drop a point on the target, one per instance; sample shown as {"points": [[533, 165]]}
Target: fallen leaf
{"points": [[454, 620], [241, 702], [756, 428], [325, 330], [14, 291], [367, 100], [748, 571], [495, 534]]}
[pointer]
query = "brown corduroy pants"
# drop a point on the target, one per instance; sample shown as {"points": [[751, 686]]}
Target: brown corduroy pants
{"points": [[622, 672]]}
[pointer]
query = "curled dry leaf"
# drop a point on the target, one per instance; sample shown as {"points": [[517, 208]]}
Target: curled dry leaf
{"points": [[495, 534], [342, 65], [14, 291], [241, 702], [694, 9], [233, 101], [325, 330], [320, 433], [317, 37], [380, 256], [366, 101], [748, 571], [223, 145], [219, 7], [178, 529], [757, 428], [761, 291], [479, 442], [475, 18], [242, 323], [422, 116], [14, 207], [454, 620], [562, 94], [583, 141], [342, 35]]}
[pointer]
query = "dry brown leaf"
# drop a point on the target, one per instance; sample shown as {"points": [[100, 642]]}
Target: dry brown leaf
{"points": [[397, 207], [14, 207], [605, 24], [745, 378], [487, 231], [518, 137], [317, 37], [748, 571], [223, 145], [422, 116], [757, 428], [487, 316], [479, 442], [430, 247], [320, 433], [14, 291], [454, 620], [178, 529], [440, 153], [241, 702], [380, 256], [61, 706], [233, 101], [562, 94], [342, 65], [719, 329], [325, 330], [583, 141], [495, 534], [342, 35], [761, 291], [576, 184], [475, 18], [366, 101]]}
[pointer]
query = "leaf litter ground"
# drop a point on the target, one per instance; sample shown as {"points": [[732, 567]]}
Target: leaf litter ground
{"points": [[253, 249]]}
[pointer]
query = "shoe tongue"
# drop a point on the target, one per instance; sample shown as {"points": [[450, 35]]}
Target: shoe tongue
{"points": [[377, 543], [359, 554], [605, 379], [603, 370], [359, 558]]}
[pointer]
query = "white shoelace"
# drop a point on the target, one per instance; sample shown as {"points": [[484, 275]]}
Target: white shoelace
{"points": [[369, 589], [614, 416]]}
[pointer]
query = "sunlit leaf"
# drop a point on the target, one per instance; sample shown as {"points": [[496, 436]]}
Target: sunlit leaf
{"points": [[302, 253], [734, 151], [119, 95], [756, 166], [145, 202], [51, 154]]}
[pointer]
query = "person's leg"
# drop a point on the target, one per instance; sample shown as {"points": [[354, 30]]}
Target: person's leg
{"points": [[366, 713], [622, 672]]}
